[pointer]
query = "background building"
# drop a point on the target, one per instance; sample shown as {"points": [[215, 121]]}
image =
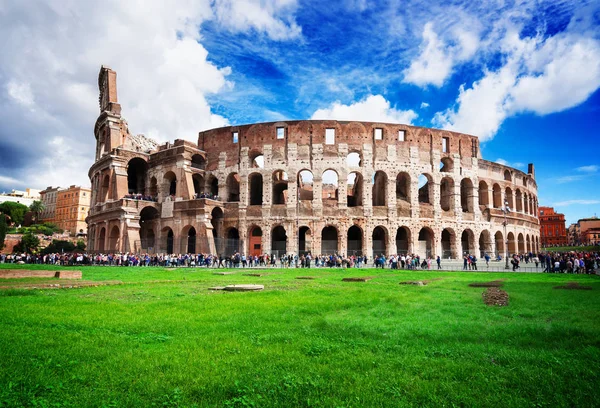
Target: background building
{"points": [[589, 231], [72, 207], [552, 227], [48, 198], [26, 197]]}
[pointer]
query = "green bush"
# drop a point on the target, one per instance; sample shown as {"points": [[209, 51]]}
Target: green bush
{"points": [[59, 246], [29, 243]]}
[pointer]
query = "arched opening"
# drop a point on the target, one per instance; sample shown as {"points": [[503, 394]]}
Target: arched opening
{"points": [[101, 239], [105, 188], [485, 244], [256, 189], [484, 194], [425, 242], [233, 187], [403, 187], [170, 183], [198, 162], [525, 203], [446, 165], [425, 187], [213, 184], [217, 229], [255, 241], [305, 185], [280, 186], [353, 159], [499, 238], [354, 189], [521, 243], [114, 240], [497, 193], [191, 240], [466, 195], [508, 196], [355, 240], [518, 201], [379, 189], [304, 240], [468, 242], [528, 243], [330, 188], [512, 245], [232, 245], [447, 194], [198, 181], [329, 240], [448, 243], [257, 160], [168, 239], [507, 175], [137, 170], [278, 241], [153, 187], [148, 217], [402, 240], [379, 241]]}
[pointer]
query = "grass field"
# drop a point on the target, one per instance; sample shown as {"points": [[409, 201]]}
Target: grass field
{"points": [[162, 339]]}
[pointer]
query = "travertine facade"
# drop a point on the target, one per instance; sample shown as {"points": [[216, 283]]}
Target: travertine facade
{"points": [[304, 186]]}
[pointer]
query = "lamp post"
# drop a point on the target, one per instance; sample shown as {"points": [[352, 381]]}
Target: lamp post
{"points": [[505, 210]]}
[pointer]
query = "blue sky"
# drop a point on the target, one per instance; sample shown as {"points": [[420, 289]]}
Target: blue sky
{"points": [[523, 76]]}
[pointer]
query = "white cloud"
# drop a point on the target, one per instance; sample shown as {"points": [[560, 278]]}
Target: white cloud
{"points": [[438, 56], [424, 105], [516, 165], [572, 202], [569, 179], [164, 75], [539, 75], [374, 108], [588, 169]]}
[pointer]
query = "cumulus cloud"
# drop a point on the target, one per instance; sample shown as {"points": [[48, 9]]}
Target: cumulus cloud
{"points": [[539, 75], [438, 55], [374, 108], [164, 74], [424, 105]]}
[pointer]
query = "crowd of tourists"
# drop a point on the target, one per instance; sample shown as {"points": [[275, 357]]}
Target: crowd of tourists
{"points": [[207, 195], [555, 262], [141, 197]]}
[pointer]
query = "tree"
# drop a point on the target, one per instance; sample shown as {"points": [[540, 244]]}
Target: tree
{"points": [[3, 228], [15, 211], [58, 246], [28, 244], [37, 207], [81, 244]]}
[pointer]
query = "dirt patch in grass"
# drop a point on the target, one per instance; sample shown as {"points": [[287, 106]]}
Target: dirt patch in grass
{"points": [[358, 279], [305, 277], [573, 286], [420, 282], [492, 284], [69, 285], [495, 297], [255, 274]]}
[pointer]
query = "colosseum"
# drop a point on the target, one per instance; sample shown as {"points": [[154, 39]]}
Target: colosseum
{"points": [[308, 186]]}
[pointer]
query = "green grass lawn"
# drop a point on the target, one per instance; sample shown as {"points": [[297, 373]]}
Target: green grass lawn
{"points": [[162, 339]]}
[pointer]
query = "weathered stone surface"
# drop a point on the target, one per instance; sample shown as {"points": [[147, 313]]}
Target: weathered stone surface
{"points": [[20, 273], [244, 288], [217, 288]]}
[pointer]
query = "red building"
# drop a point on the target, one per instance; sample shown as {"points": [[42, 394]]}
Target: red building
{"points": [[552, 227]]}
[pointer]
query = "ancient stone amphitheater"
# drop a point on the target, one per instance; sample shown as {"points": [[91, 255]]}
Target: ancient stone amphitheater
{"points": [[318, 186]]}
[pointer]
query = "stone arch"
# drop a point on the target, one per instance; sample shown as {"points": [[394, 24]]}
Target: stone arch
{"points": [[525, 203], [305, 185], [447, 193], [467, 241], [148, 219], [512, 245], [170, 184], [507, 175], [304, 240], [466, 195], [198, 182], [257, 160], [353, 159], [379, 189], [255, 188], [508, 197], [402, 240], [485, 243], [114, 239], [518, 201], [232, 241], [528, 243], [198, 162], [403, 187], [484, 194], [425, 189], [233, 187], [425, 242], [330, 184], [379, 241], [448, 240], [497, 196], [137, 171], [106, 188], [101, 239], [217, 220], [278, 241], [213, 186], [153, 187], [188, 233], [499, 239], [280, 186], [355, 240], [521, 243], [168, 237], [354, 189], [446, 165], [329, 240], [255, 241]]}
